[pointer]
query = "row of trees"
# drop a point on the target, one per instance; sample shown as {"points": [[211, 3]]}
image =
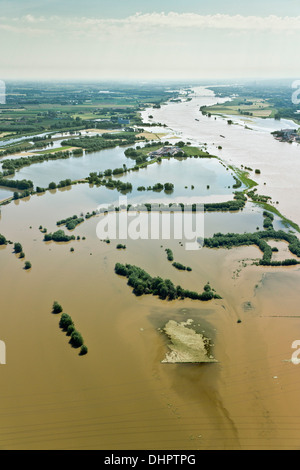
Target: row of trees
{"points": [[67, 324], [15, 164], [167, 187], [71, 222], [170, 256], [181, 266], [18, 184], [58, 236], [122, 187], [268, 220], [18, 249], [143, 283], [238, 203], [259, 239], [105, 141]]}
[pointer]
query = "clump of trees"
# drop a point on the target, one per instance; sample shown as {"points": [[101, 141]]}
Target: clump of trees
{"points": [[268, 220], [237, 183], [18, 248], [170, 255], [143, 283], [258, 197], [238, 203], [18, 184], [167, 187], [259, 239], [15, 164], [56, 307], [105, 141], [121, 247], [58, 236], [98, 180], [61, 184], [181, 267], [71, 222], [88, 215], [28, 265], [3, 240]]}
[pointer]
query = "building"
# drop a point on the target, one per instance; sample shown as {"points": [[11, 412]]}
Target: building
{"points": [[287, 135], [165, 151]]}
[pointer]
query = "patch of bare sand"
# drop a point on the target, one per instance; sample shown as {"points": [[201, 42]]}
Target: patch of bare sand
{"points": [[186, 346]]}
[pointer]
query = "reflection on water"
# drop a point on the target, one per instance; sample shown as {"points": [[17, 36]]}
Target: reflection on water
{"points": [[279, 162], [206, 175], [74, 167], [264, 124], [192, 177], [5, 193]]}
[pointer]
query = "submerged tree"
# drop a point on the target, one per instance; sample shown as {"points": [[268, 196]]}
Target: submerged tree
{"points": [[18, 248], [57, 308]]}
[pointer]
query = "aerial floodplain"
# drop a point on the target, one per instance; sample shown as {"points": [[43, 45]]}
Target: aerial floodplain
{"points": [[149, 229]]}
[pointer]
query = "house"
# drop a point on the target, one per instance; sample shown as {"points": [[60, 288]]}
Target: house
{"points": [[165, 151]]}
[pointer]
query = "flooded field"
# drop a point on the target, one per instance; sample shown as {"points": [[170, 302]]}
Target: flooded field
{"points": [[279, 162], [121, 395], [74, 167]]}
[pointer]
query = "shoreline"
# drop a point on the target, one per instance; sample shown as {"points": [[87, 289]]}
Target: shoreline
{"points": [[239, 147]]}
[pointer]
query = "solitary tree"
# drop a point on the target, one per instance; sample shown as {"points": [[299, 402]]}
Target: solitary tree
{"points": [[18, 248], [57, 308]]}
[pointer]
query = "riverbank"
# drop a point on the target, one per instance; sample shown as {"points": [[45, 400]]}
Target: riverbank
{"points": [[278, 162]]}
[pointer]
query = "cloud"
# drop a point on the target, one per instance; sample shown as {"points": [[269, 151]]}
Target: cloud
{"points": [[157, 21], [23, 30], [218, 21], [149, 45]]}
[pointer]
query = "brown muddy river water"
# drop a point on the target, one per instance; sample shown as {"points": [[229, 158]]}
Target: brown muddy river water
{"points": [[121, 395]]}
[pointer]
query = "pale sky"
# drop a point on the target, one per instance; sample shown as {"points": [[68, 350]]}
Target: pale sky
{"points": [[118, 39]]}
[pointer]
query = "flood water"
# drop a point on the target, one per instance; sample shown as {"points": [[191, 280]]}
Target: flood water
{"points": [[279, 162], [74, 167], [120, 395], [5, 193]]}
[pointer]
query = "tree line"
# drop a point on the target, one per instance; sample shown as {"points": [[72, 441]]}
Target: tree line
{"points": [[143, 283], [259, 238], [66, 323]]}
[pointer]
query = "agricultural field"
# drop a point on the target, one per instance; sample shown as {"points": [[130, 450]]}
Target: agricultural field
{"points": [[248, 106]]}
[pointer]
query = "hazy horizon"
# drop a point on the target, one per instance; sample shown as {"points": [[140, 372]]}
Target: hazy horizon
{"points": [[163, 41]]}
